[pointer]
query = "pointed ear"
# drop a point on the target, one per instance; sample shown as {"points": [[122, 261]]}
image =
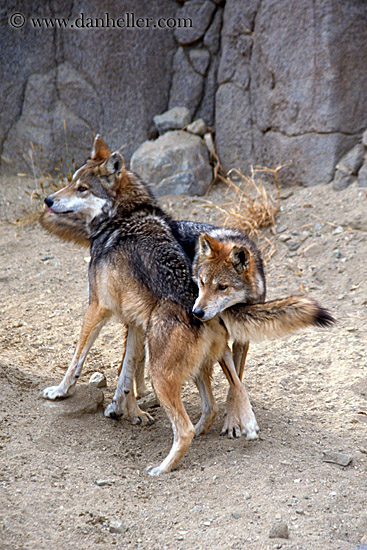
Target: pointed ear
{"points": [[240, 258], [100, 150], [207, 245], [112, 168]]}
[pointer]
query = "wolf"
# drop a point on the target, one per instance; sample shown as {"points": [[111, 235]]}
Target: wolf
{"points": [[140, 274], [73, 228]]}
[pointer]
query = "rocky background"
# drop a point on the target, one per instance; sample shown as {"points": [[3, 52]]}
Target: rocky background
{"points": [[279, 81]]}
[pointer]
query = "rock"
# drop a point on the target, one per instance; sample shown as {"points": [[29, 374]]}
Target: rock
{"points": [[86, 399], [279, 530], [200, 59], [187, 85], [38, 115], [198, 127], [176, 162], [364, 138], [98, 380], [353, 160], [174, 119], [343, 179], [362, 176], [337, 458], [118, 527], [209, 142], [233, 134], [207, 103], [104, 482], [200, 13], [212, 35], [149, 401]]}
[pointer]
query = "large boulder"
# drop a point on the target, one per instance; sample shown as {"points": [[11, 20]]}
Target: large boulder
{"points": [[177, 162]]}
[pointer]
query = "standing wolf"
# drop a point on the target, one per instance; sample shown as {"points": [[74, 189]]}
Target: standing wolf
{"points": [[139, 273]]}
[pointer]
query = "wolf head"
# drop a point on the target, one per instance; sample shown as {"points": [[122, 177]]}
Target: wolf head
{"points": [[97, 188], [226, 273]]}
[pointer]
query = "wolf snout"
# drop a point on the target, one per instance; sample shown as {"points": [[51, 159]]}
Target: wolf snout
{"points": [[49, 202], [198, 312]]}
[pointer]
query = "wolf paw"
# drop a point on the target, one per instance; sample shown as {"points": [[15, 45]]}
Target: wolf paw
{"points": [[112, 411], [54, 392], [231, 427], [142, 418], [154, 471]]}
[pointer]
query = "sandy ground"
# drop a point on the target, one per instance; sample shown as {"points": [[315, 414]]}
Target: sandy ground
{"points": [[309, 394]]}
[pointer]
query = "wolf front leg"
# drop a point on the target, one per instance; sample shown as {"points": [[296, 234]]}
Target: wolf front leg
{"points": [[124, 401], [95, 318], [242, 415]]}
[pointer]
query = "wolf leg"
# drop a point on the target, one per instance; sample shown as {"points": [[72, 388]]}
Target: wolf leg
{"points": [[169, 394], [94, 320], [209, 407], [241, 416], [231, 426], [141, 388], [174, 349], [124, 401]]}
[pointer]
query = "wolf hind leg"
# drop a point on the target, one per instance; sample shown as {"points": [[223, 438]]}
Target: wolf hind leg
{"points": [[240, 417], [173, 352], [231, 426], [95, 318], [209, 407]]}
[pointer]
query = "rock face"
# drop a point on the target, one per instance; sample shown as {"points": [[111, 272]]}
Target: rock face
{"points": [[113, 81], [177, 162], [283, 82]]}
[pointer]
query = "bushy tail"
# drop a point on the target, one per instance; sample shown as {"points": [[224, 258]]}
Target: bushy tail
{"points": [[275, 318]]}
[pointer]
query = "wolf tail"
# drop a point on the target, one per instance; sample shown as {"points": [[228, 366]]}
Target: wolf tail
{"points": [[275, 318]]}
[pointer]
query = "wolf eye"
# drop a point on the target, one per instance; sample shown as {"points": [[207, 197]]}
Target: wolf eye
{"points": [[82, 189], [222, 287]]}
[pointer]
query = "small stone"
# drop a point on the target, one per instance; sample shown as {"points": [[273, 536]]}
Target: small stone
{"points": [[174, 119], [364, 138], [209, 142], [279, 530], [98, 380], [293, 245], [118, 527], [337, 458], [236, 515], [284, 238], [197, 127], [338, 230], [104, 482]]}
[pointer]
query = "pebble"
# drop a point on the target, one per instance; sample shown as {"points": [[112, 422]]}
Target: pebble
{"points": [[337, 458], [197, 127], [279, 530], [104, 482], [98, 380], [338, 230], [117, 527], [236, 515]]}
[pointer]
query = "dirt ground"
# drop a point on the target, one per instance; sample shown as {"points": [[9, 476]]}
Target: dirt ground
{"points": [[69, 481]]}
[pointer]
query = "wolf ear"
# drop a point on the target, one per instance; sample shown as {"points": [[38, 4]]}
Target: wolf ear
{"points": [[240, 258], [207, 245], [112, 167], [100, 150]]}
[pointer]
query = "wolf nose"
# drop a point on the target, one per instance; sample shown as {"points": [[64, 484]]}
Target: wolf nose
{"points": [[49, 202], [199, 312]]}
